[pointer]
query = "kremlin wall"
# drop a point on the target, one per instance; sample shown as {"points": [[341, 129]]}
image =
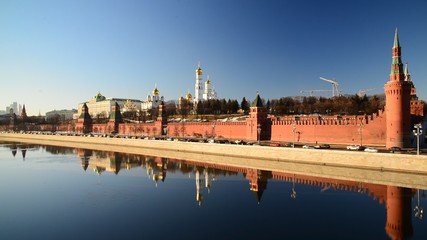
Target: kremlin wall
{"points": [[391, 127]]}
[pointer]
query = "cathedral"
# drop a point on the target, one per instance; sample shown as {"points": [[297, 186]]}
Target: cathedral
{"points": [[203, 91]]}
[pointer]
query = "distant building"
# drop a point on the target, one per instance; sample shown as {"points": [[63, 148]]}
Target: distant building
{"points": [[63, 114], [152, 102], [15, 107], [100, 106]]}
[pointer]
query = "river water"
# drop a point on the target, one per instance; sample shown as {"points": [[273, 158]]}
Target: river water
{"points": [[52, 192]]}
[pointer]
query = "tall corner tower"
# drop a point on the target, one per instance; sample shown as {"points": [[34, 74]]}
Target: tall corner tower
{"points": [[198, 88], [398, 97]]}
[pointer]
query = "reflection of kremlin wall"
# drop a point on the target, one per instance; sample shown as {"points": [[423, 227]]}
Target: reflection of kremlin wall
{"points": [[397, 200]]}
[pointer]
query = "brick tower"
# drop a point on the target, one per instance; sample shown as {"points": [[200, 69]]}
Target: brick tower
{"points": [[398, 97], [84, 123], [24, 116], [258, 120], [162, 119], [399, 213], [115, 119]]}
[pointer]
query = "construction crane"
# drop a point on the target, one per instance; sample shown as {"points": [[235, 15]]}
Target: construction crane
{"points": [[313, 91], [360, 93], [335, 90]]}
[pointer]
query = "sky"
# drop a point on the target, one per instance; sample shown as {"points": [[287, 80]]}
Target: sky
{"points": [[56, 54]]}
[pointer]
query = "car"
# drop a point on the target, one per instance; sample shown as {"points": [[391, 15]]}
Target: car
{"points": [[288, 145], [395, 149], [371, 149], [414, 150], [308, 147], [322, 146], [355, 147]]}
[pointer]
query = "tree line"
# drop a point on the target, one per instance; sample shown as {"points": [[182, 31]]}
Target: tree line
{"points": [[350, 105]]}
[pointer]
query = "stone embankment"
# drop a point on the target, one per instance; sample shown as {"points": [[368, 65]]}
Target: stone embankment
{"points": [[378, 167]]}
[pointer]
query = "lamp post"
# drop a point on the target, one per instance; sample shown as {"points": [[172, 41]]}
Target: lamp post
{"points": [[417, 133], [294, 130], [213, 130], [293, 193], [418, 209], [165, 130], [259, 133], [360, 131]]}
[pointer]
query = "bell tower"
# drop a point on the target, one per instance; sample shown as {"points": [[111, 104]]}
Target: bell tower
{"points": [[398, 97], [198, 88]]}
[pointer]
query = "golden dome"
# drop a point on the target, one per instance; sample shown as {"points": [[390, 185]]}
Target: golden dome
{"points": [[189, 97], [199, 70], [208, 82], [156, 92]]}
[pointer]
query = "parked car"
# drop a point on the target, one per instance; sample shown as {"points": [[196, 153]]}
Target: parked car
{"points": [[414, 150], [355, 147], [322, 146], [371, 149], [395, 149], [308, 147]]}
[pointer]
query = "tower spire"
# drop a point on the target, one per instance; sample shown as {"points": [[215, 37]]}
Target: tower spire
{"points": [[396, 40], [396, 73], [406, 72]]}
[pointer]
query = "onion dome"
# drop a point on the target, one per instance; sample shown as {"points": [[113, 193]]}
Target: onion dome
{"points": [[156, 92], [99, 97], [199, 70], [188, 96]]}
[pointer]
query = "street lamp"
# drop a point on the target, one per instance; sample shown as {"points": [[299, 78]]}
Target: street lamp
{"points": [[360, 131], [294, 130], [259, 133], [165, 130], [293, 193], [213, 130], [417, 133], [418, 209]]}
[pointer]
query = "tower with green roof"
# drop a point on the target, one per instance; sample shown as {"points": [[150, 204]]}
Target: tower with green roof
{"points": [[398, 98], [162, 119], [115, 118], [84, 123], [258, 125]]}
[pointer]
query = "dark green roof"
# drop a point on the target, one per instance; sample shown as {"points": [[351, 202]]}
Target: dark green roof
{"points": [[396, 40], [257, 101], [116, 115]]}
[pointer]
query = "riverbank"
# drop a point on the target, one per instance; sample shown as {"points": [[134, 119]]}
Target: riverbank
{"points": [[378, 167]]}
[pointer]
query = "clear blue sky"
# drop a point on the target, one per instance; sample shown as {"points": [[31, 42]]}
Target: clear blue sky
{"points": [[56, 54]]}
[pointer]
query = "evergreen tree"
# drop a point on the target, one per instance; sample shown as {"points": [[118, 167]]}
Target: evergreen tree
{"points": [[245, 105]]}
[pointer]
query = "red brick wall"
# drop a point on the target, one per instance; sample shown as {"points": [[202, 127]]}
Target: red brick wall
{"points": [[146, 129], [229, 130], [331, 129]]}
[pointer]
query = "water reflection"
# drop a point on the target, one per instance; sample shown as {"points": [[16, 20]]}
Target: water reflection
{"points": [[396, 200]]}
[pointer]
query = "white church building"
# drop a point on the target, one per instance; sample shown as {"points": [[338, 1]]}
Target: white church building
{"points": [[203, 91]]}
